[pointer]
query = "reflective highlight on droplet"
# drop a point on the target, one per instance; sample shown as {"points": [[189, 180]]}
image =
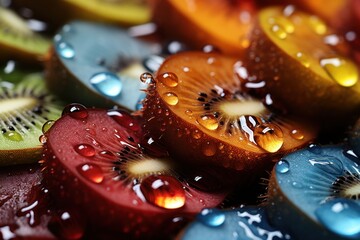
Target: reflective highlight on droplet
{"points": [[75, 110], [170, 98], [340, 216], [297, 134], [278, 32], [282, 166], [65, 50], [330, 165], [47, 126], [303, 59], [208, 121], [269, 137], [317, 25], [13, 136], [124, 119], [169, 79], [211, 217], [343, 71], [91, 172], [107, 83], [85, 150]]}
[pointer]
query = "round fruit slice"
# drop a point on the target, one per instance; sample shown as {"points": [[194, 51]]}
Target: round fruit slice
{"points": [[241, 223], [298, 60], [223, 24], [97, 154], [24, 108], [18, 41], [102, 71], [316, 189], [197, 110]]}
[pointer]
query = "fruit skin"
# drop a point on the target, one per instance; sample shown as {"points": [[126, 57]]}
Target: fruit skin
{"points": [[231, 40], [118, 218], [293, 85], [176, 133]]}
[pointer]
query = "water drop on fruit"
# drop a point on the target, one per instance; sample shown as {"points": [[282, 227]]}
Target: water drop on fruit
{"points": [[296, 185], [169, 79], [107, 83], [329, 165], [351, 155], [317, 25], [147, 78], [341, 216], [188, 112], [343, 71], [209, 149], [42, 139], [211, 217], [196, 134], [65, 50], [297, 134], [284, 23], [170, 98], [315, 149], [107, 154], [282, 166], [91, 172], [278, 32], [13, 136], [303, 59], [75, 110], [124, 119], [163, 191], [208, 121], [85, 150], [269, 137], [67, 225], [47, 126]]}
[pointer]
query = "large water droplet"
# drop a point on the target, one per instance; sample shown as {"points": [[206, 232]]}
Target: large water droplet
{"points": [[163, 191], [209, 149], [65, 50], [282, 166], [297, 134], [75, 110], [169, 79], [85, 150], [211, 217], [340, 216], [124, 119], [343, 71], [269, 137], [208, 121], [47, 125], [147, 78], [170, 98], [328, 164], [91, 172], [13, 136], [107, 83]]}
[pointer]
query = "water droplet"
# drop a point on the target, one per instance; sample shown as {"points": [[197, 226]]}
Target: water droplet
{"points": [[296, 185], [67, 225], [163, 191], [282, 166], [269, 137], [171, 98], [147, 78], [283, 22], [107, 83], [315, 149], [196, 134], [297, 134], [124, 119], [303, 59], [279, 32], [107, 154], [351, 155], [42, 139], [91, 172], [318, 26], [13, 136], [211, 217], [85, 150], [328, 164], [65, 50], [188, 112], [169, 79], [340, 216], [47, 126], [75, 110], [209, 149], [208, 121], [343, 71]]}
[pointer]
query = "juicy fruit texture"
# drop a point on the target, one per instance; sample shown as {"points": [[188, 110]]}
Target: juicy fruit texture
{"points": [[97, 153], [288, 57], [196, 108], [316, 189], [18, 41], [24, 108], [228, 31], [102, 71], [240, 223]]}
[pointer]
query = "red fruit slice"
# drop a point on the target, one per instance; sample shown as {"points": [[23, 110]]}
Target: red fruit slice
{"points": [[96, 164]]}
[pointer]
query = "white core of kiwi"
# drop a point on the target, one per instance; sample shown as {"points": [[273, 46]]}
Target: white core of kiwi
{"points": [[236, 108], [353, 190], [146, 166], [13, 104]]}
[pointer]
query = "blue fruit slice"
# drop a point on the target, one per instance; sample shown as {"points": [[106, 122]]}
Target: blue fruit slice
{"points": [[316, 189]]}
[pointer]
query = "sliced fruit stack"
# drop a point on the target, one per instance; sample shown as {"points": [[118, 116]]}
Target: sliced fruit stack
{"points": [[154, 142]]}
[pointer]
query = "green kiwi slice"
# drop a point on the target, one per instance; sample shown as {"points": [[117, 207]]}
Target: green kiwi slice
{"points": [[24, 108], [18, 41]]}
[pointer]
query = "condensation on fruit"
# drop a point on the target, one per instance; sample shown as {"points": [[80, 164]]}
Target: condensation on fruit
{"points": [[147, 78], [269, 137], [85, 150], [209, 149], [297, 134], [47, 125], [317, 25], [13, 136], [208, 121], [211, 217], [169, 79], [163, 191], [343, 71], [170, 98], [107, 83], [76, 111], [303, 59], [65, 50], [124, 119], [91, 172]]}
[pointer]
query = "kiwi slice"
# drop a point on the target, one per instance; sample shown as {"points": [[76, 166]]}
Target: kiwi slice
{"points": [[196, 108], [316, 189], [18, 41], [24, 108], [303, 64]]}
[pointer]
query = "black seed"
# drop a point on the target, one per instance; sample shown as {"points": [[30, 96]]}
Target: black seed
{"points": [[11, 128], [3, 130], [116, 168], [131, 139], [203, 95], [207, 108], [201, 99], [213, 91]]}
